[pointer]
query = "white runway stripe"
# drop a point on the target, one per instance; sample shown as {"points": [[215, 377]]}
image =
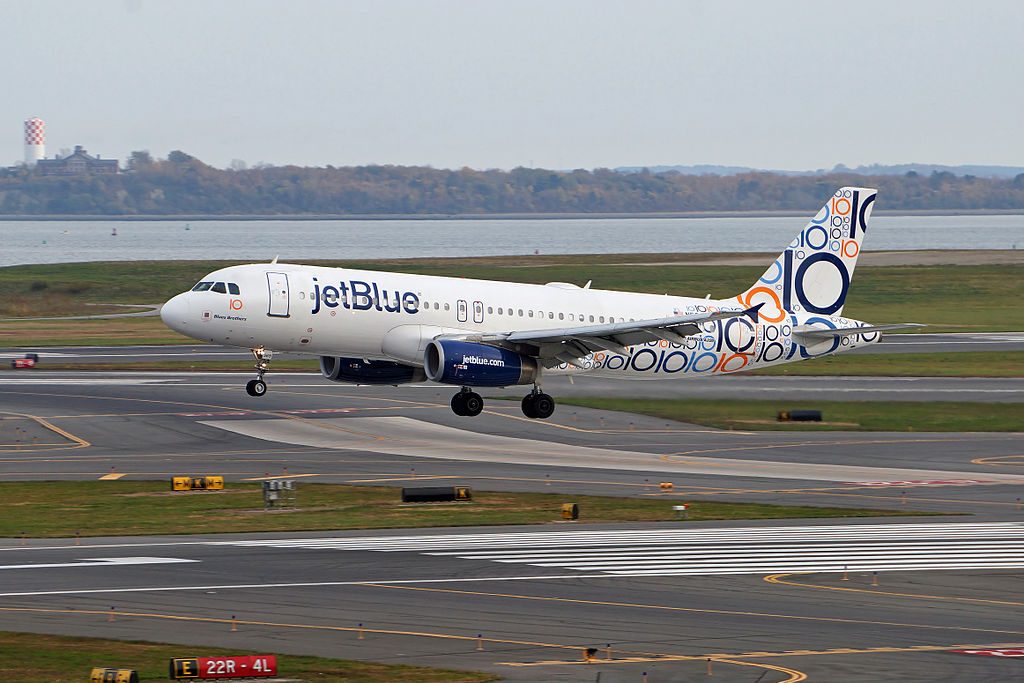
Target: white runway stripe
{"points": [[679, 552]]}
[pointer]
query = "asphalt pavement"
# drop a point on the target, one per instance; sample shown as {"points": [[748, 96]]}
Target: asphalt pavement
{"points": [[764, 600]]}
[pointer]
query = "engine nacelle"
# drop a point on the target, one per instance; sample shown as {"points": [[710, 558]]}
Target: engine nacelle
{"points": [[450, 361], [359, 371]]}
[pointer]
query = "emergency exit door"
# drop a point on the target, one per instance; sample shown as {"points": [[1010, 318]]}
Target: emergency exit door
{"points": [[277, 283]]}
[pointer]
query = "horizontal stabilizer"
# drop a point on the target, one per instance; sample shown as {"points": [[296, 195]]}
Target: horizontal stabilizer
{"points": [[826, 333]]}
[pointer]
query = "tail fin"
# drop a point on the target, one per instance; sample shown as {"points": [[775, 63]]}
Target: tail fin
{"points": [[813, 274]]}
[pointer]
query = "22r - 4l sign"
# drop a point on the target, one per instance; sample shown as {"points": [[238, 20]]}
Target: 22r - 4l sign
{"points": [[207, 668]]}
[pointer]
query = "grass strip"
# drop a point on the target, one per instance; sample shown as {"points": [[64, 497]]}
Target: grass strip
{"points": [[955, 364], [32, 658], [942, 364], [934, 295], [131, 508], [868, 416]]}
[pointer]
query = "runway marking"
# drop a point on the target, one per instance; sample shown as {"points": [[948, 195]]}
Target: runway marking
{"points": [[783, 579], [101, 562], [415, 477], [693, 610], [111, 477], [720, 551], [795, 676], [46, 424], [1000, 461], [280, 476]]}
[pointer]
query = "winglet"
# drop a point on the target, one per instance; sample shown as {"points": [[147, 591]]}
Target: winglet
{"points": [[275, 260], [753, 312]]}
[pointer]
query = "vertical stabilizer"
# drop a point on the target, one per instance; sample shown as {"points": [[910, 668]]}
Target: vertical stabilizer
{"points": [[813, 274]]}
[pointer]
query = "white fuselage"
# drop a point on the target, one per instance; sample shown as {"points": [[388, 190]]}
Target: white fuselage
{"points": [[393, 316]]}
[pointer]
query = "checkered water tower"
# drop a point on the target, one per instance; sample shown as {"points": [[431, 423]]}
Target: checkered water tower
{"points": [[35, 141]]}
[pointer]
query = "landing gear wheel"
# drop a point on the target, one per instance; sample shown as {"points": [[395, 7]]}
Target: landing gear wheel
{"points": [[458, 404], [256, 387], [543, 406], [473, 404], [528, 409], [467, 403], [538, 406]]}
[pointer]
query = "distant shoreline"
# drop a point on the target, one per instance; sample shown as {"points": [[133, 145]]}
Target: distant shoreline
{"points": [[492, 216]]}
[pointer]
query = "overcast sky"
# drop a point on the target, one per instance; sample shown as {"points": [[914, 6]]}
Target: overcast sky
{"points": [[557, 84]]}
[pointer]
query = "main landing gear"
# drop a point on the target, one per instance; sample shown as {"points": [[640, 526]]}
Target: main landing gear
{"points": [[467, 403], [536, 404], [257, 387]]}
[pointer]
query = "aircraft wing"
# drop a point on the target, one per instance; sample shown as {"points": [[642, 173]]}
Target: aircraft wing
{"points": [[569, 344], [824, 333]]}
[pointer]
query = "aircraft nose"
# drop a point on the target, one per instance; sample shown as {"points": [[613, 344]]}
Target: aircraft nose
{"points": [[174, 313]]}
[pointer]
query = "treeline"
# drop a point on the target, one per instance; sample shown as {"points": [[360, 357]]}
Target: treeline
{"points": [[182, 184]]}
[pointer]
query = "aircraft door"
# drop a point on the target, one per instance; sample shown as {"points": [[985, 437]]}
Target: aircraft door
{"points": [[478, 311], [462, 311], [277, 283]]}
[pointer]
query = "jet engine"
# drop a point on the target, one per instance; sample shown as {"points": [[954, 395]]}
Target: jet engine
{"points": [[359, 371], [451, 361]]}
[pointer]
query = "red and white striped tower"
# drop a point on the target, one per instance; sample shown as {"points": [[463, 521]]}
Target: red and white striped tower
{"points": [[35, 141]]}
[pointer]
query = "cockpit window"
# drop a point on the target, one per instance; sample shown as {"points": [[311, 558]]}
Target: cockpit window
{"points": [[220, 288], [202, 287], [232, 288]]}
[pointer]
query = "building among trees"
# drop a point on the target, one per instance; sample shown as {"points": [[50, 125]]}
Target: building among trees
{"points": [[78, 162]]}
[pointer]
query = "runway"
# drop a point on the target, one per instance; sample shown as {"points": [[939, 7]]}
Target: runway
{"points": [[758, 598], [453, 598]]}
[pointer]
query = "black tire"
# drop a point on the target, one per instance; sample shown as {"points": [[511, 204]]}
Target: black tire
{"points": [[256, 387], [543, 406], [528, 408], [458, 404], [474, 404]]}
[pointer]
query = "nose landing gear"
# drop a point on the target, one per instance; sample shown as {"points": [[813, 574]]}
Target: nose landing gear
{"points": [[538, 405], [467, 403], [257, 387]]}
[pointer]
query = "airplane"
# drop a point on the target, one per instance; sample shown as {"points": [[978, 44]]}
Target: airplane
{"points": [[386, 328]]}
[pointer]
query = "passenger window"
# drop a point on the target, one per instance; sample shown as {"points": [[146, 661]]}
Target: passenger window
{"points": [[220, 288], [591, 318], [602, 318], [447, 307], [233, 288], [551, 316], [499, 311], [490, 310], [202, 287], [531, 313], [520, 313], [561, 316]]}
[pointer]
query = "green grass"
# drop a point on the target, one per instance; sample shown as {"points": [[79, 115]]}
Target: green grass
{"points": [[956, 364], [948, 298], [115, 508], [31, 658], [883, 416], [942, 364]]}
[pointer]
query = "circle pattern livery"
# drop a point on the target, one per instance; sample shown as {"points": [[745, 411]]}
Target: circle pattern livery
{"points": [[813, 274]]}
